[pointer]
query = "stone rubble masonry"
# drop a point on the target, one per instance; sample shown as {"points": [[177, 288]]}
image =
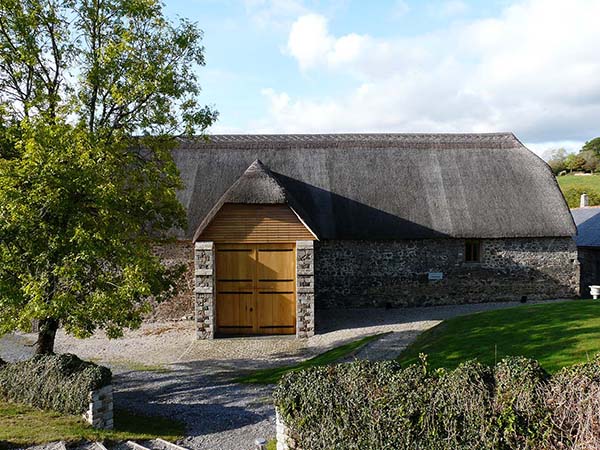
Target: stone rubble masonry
{"points": [[354, 274], [282, 434], [305, 289], [100, 410], [204, 290]]}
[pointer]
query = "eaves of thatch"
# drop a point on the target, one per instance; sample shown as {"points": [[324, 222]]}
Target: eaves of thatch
{"points": [[379, 186]]}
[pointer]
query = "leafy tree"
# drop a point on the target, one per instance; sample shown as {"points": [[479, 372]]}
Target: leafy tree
{"points": [[556, 159], [80, 196], [592, 146], [591, 160], [574, 162]]}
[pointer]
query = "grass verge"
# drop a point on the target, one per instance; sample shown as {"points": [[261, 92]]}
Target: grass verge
{"points": [[22, 425], [556, 334], [141, 367], [273, 375]]}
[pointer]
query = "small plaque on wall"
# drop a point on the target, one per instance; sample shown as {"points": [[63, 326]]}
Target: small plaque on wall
{"points": [[435, 276]]}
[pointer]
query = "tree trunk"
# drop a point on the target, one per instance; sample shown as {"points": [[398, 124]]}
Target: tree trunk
{"points": [[46, 335]]}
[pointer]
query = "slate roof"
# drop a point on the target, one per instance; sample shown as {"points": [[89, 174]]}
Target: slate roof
{"points": [[382, 186], [588, 226]]}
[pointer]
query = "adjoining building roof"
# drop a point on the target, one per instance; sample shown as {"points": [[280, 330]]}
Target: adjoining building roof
{"points": [[588, 226], [382, 186]]}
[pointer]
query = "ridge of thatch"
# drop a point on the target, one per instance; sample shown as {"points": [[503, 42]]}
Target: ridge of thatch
{"points": [[381, 186], [351, 140]]}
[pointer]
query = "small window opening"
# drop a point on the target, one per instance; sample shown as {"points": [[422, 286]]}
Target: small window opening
{"points": [[472, 250]]}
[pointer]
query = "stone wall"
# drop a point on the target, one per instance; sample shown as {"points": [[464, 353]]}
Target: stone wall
{"points": [[181, 306], [282, 434], [100, 410], [589, 261], [396, 273]]}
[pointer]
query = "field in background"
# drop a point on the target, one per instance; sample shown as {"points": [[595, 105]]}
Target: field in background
{"points": [[573, 186]]}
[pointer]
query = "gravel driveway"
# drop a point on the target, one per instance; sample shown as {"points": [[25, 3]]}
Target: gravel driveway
{"points": [[194, 383]]}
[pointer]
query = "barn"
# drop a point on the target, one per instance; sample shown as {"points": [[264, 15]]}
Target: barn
{"points": [[587, 219], [283, 226]]}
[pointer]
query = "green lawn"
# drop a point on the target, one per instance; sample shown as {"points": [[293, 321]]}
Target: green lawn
{"points": [[585, 181], [556, 334], [269, 376], [572, 186], [23, 425]]}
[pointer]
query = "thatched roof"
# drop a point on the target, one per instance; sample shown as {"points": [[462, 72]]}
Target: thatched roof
{"points": [[588, 226], [381, 186], [257, 185]]}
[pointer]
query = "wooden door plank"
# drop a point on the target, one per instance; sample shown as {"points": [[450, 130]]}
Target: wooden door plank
{"points": [[256, 286], [276, 288], [235, 271]]}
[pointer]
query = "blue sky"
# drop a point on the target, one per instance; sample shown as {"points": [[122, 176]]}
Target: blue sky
{"points": [[527, 66]]}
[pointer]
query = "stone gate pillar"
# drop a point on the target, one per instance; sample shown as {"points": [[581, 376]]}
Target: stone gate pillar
{"points": [[305, 289], [204, 289]]}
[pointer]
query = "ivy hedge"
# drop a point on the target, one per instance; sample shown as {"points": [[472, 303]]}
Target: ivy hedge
{"points": [[514, 405], [57, 382]]}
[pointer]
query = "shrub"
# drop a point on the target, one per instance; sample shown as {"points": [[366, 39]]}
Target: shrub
{"points": [[515, 405], [573, 397], [520, 409], [573, 196], [458, 413], [379, 405], [58, 382]]}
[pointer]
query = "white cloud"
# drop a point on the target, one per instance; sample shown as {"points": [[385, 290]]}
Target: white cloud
{"points": [[309, 41], [540, 148], [533, 70]]}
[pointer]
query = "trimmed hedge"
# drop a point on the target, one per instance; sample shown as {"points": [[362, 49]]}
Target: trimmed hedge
{"points": [[58, 382], [572, 195], [514, 405]]}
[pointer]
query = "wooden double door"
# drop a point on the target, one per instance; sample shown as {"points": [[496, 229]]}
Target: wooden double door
{"points": [[256, 289]]}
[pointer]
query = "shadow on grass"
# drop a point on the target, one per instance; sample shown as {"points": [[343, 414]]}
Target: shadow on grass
{"points": [[556, 334], [155, 426]]}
